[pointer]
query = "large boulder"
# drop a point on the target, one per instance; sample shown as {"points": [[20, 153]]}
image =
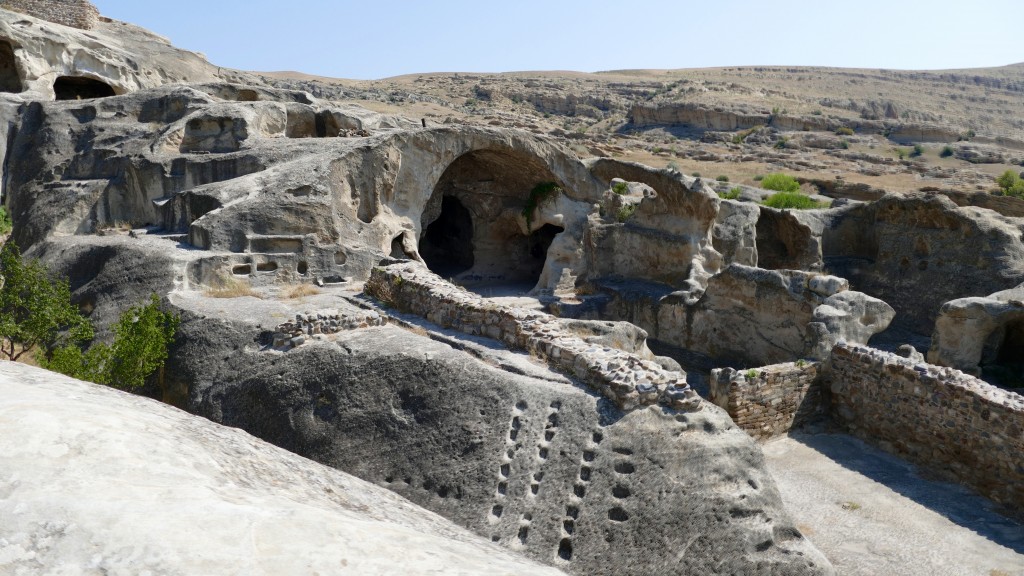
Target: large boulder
{"points": [[97, 480]]}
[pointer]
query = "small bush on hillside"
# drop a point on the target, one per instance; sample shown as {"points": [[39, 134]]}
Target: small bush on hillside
{"points": [[947, 151], [758, 177], [791, 200], [695, 174], [5, 222], [626, 212], [621, 188], [844, 144], [732, 194], [917, 151], [1011, 184], [780, 182], [722, 178], [844, 131]]}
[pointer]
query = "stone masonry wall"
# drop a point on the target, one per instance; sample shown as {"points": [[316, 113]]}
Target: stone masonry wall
{"points": [[625, 378], [75, 13], [769, 401], [952, 423]]}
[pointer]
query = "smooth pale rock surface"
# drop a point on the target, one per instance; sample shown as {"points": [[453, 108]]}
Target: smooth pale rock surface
{"points": [[93, 480]]}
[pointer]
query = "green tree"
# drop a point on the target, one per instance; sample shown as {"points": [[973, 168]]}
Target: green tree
{"points": [[35, 309], [142, 337], [5, 221]]}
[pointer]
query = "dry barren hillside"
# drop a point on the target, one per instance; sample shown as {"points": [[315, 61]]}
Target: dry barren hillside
{"points": [[857, 126]]}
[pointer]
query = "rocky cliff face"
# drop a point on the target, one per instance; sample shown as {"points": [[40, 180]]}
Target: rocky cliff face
{"points": [[97, 479]]}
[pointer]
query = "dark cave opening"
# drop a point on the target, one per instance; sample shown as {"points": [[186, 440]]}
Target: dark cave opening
{"points": [[1003, 360], [447, 243], [10, 80], [79, 88], [538, 244]]}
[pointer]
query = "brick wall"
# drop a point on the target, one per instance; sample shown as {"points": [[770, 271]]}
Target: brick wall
{"points": [[954, 424], [768, 401], [74, 13]]}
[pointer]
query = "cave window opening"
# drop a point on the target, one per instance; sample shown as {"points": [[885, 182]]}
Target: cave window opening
{"points": [[10, 81], [538, 244], [79, 88], [1006, 365], [447, 243]]}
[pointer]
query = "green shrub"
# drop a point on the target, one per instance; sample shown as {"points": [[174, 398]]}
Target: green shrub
{"points": [[751, 374], [626, 212], [732, 194], [1011, 184], [695, 174], [621, 188], [142, 337], [844, 144], [917, 151], [722, 178], [793, 200], [35, 309], [780, 182], [674, 166], [844, 131], [947, 151], [758, 177], [5, 222], [540, 195], [901, 153]]}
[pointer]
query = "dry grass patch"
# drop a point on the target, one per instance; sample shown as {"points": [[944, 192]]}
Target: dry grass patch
{"points": [[231, 288], [301, 290]]}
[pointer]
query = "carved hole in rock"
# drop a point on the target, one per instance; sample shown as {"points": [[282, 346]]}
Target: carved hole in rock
{"points": [[246, 95], [505, 470], [524, 533], [543, 453], [340, 257], [569, 526], [266, 267], [621, 492], [497, 510], [303, 268], [78, 88], [549, 435], [398, 248], [10, 80], [623, 451], [502, 488], [242, 270], [565, 549], [617, 515], [588, 456], [1002, 360], [585, 474], [494, 187], [579, 490], [625, 468], [572, 512], [447, 243], [598, 437]]}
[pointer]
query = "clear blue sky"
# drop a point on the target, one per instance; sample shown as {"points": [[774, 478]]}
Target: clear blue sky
{"points": [[381, 38]]}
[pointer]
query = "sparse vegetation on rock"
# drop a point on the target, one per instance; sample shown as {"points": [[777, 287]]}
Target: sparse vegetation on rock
{"points": [[539, 195], [36, 312], [5, 221], [792, 200], [779, 182]]}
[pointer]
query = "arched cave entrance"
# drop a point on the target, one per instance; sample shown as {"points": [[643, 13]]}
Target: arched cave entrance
{"points": [[79, 88], [447, 243], [1003, 358], [472, 224], [10, 81]]}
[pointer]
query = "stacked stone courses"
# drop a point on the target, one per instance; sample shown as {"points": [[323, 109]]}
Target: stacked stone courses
{"points": [[625, 378], [74, 13], [950, 422], [769, 401]]}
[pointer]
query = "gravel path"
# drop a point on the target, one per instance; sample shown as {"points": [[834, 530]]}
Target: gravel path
{"points": [[873, 514]]}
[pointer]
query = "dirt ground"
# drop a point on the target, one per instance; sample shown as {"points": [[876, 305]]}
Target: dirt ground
{"points": [[874, 514]]}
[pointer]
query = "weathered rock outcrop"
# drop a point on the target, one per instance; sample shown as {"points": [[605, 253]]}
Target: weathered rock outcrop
{"points": [[75, 13], [970, 332], [99, 480], [537, 463]]}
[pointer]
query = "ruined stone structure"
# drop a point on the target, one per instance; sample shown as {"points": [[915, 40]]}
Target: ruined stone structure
{"points": [[951, 423], [74, 13], [626, 378], [769, 401]]}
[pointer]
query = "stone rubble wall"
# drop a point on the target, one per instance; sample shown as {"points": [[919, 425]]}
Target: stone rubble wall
{"points": [[625, 378], [954, 424], [74, 13], [323, 322], [768, 401]]}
